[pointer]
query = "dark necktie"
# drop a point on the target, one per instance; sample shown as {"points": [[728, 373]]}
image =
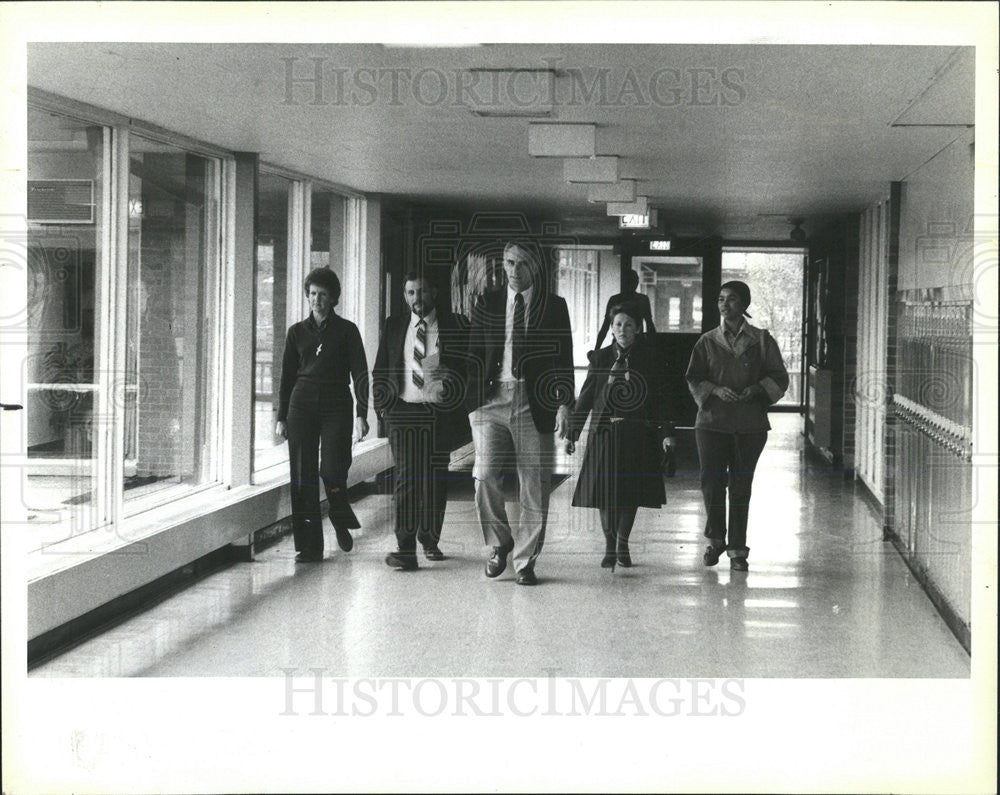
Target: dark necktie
{"points": [[620, 366], [419, 351], [517, 336]]}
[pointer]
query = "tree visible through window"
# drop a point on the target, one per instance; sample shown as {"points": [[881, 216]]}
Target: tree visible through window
{"points": [[775, 280]]}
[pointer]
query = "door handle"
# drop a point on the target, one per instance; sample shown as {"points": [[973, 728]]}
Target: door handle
{"points": [[11, 406]]}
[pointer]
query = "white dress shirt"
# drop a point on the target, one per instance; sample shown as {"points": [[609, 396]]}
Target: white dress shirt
{"points": [[411, 393], [505, 369]]}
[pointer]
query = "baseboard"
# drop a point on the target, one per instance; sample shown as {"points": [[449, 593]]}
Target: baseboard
{"points": [[959, 628]]}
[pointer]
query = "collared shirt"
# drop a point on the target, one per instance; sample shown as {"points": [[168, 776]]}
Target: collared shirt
{"points": [[733, 338], [505, 368], [411, 393]]}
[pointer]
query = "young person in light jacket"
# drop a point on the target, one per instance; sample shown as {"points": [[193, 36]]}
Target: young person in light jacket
{"points": [[735, 373]]}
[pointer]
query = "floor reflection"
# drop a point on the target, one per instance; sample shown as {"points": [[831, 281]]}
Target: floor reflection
{"points": [[824, 597]]}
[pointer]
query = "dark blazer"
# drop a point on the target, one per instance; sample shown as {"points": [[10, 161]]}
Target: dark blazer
{"points": [[548, 358], [389, 369], [643, 397]]}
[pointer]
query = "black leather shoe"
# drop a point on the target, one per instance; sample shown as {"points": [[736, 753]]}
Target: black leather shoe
{"points": [[609, 560], [739, 564], [527, 577], [404, 561], [712, 554], [497, 563], [344, 539], [431, 552], [309, 557], [624, 558]]}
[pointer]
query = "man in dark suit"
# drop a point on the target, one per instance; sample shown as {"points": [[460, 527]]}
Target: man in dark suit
{"points": [[418, 390], [520, 388]]}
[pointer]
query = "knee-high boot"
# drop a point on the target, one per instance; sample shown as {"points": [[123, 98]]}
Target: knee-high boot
{"points": [[626, 518], [610, 539]]}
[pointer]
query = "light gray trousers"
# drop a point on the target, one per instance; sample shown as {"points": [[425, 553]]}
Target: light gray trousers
{"points": [[505, 438]]}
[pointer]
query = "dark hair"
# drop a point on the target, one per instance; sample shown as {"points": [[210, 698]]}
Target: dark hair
{"points": [[742, 290], [325, 278], [630, 308], [417, 276], [631, 279]]}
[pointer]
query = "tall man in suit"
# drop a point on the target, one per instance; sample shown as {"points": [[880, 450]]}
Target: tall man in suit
{"points": [[418, 390], [520, 388]]}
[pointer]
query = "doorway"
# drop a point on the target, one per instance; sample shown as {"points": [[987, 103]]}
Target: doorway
{"points": [[775, 277]]}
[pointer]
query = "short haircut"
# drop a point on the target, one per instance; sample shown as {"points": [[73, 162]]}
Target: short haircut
{"points": [[325, 278], [630, 308], [417, 276], [529, 246]]}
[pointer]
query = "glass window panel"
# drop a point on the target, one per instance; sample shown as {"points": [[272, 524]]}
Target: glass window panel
{"points": [[171, 423], [673, 285], [274, 207], [775, 279], [577, 273], [66, 188], [328, 222]]}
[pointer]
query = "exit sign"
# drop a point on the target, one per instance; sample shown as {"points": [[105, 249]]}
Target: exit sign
{"points": [[635, 221]]}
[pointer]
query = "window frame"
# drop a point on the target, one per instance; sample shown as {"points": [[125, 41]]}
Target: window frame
{"points": [[114, 515]]}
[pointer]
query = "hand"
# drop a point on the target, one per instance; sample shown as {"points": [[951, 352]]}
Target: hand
{"points": [[434, 390], [570, 447], [751, 392], [668, 443], [726, 394], [280, 429], [360, 429], [562, 422]]}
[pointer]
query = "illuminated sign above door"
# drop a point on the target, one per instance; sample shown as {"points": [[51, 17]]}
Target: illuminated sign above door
{"points": [[635, 221]]}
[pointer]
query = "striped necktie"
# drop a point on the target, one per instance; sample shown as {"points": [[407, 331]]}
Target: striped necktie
{"points": [[419, 351], [517, 336]]}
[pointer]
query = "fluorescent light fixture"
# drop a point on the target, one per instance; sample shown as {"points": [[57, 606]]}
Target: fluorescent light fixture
{"points": [[562, 140], [591, 169], [510, 93], [637, 207], [623, 191]]}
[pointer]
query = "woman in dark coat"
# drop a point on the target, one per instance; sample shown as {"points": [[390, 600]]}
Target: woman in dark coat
{"points": [[323, 354], [626, 390]]}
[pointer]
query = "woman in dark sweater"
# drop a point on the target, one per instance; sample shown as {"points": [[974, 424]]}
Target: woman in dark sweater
{"points": [[735, 373], [323, 353], [630, 430]]}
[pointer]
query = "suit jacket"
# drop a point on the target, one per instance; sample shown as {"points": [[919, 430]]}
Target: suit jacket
{"points": [[643, 397], [390, 370], [547, 365]]}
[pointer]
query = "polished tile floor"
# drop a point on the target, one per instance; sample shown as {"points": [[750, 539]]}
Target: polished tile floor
{"points": [[824, 597]]}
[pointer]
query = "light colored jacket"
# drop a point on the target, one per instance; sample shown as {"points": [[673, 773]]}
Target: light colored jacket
{"points": [[755, 360]]}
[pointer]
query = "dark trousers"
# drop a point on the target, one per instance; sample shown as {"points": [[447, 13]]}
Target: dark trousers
{"points": [[319, 447], [728, 460], [420, 453]]}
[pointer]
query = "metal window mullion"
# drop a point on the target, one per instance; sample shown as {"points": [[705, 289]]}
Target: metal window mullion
{"points": [[225, 313], [306, 237], [113, 394], [295, 303]]}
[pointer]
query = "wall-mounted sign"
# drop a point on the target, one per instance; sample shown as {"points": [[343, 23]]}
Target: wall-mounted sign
{"points": [[659, 245], [635, 221]]}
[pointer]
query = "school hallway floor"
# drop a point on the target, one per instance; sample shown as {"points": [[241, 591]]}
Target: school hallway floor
{"points": [[824, 597]]}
